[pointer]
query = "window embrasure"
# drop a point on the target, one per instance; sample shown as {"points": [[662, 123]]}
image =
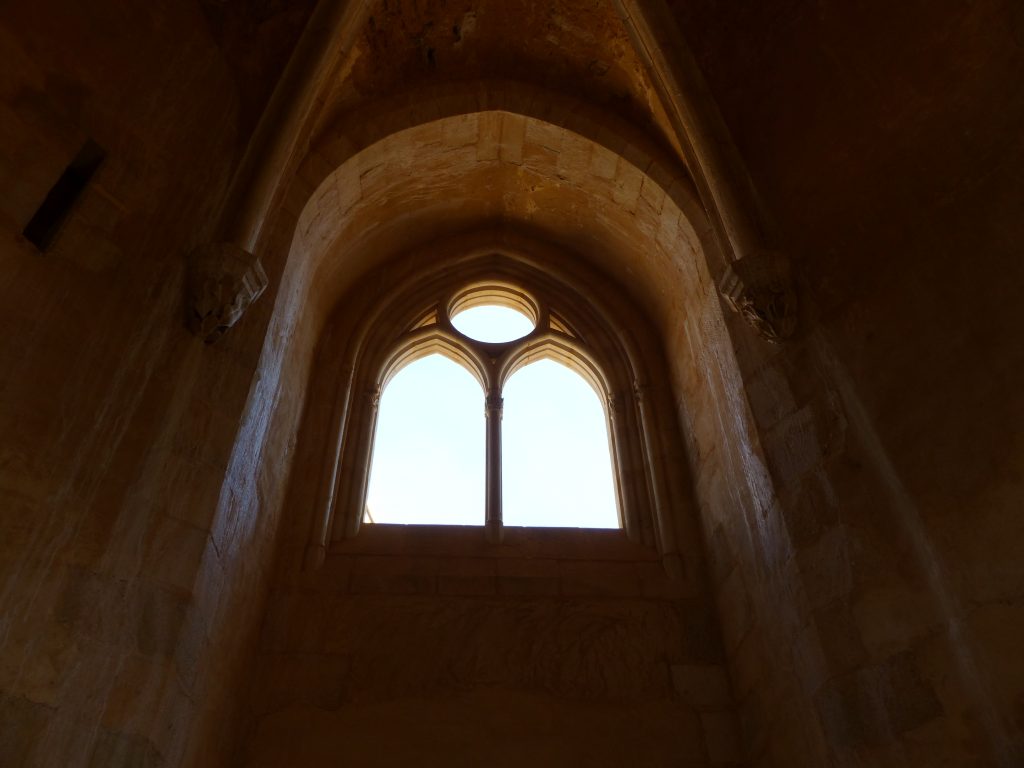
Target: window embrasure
{"points": [[572, 326]]}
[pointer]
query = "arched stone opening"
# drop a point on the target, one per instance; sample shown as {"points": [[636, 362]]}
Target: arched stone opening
{"points": [[632, 218], [381, 328], [868, 581], [596, 222], [426, 463], [557, 467]]}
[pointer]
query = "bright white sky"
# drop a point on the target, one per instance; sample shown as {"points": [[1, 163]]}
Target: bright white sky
{"points": [[428, 459]]}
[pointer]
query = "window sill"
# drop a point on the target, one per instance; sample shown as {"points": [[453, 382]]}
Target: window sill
{"points": [[456, 561], [517, 542]]}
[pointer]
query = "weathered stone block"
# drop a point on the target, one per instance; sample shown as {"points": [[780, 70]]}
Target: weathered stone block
{"points": [[137, 675], [534, 577], [809, 509], [294, 680], [770, 396], [746, 665], [655, 582], [735, 610], [295, 621], [22, 723], [91, 605], [875, 705], [462, 576], [702, 633], [161, 618], [793, 448], [581, 577], [889, 620], [755, 724], [124, 750], [176, 549], [705, 687], [721, 737], [839, 637], [827, 567], [394, 575]]}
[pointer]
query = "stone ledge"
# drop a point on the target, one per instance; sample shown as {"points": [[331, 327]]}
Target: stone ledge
{"points": [[468, 541]]}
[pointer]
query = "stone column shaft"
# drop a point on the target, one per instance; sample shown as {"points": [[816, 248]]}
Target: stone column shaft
{"points": [[493, 411]]}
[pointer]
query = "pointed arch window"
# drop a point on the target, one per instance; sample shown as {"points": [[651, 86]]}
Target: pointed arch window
{"points": [[571, 329], [427, 464], [551, 469], [556, 465]]}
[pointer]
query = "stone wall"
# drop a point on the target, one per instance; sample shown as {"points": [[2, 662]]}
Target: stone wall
{"points": [[116, 426], [885, 141], [859, 488], [425, 645]]}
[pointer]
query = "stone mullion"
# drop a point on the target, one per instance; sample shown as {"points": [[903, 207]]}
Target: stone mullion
{"points": [[494, 407]]}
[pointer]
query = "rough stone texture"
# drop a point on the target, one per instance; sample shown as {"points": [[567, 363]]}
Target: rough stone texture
{"points": [[570, 665], [256, 39], [857, 490], [572, 47], [886, 142], [115, 428]]}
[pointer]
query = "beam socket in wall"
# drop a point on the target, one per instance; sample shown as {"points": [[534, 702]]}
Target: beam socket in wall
{"points": [[49, 217]]}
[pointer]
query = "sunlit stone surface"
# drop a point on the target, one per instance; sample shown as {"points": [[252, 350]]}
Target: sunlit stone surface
{"points": [[846, 583]]}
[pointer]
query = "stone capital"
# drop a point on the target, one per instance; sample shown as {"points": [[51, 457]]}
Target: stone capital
{"points": [[760, 288], [494, 404]]}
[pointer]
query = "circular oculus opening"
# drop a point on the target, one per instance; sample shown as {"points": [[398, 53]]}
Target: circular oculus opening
{"points": [[492, 323]]}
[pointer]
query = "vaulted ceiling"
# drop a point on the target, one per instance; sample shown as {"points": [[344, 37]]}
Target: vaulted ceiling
{"points": [[884, 141], [577, 48]]}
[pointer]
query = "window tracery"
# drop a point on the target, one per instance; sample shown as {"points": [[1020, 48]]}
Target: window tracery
{"points": [[579, 322], [571, 487]]}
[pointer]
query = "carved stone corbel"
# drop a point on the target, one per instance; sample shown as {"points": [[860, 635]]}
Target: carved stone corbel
{"points": [[223, 281], [760, 288]]}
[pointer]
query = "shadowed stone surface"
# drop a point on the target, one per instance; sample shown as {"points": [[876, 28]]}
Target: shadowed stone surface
{"points": [[846, 505]]}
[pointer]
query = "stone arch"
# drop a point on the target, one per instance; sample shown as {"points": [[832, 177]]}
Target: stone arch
{"points": [[660, 253], [427, 341], [426, 438], [656, 196], [348, 134]]}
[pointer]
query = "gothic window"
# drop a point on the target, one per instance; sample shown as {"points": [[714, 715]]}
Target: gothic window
{"points": [[429, 445], [579, 335]]}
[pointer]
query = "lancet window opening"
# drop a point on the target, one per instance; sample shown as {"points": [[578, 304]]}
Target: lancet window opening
{"points": [[414, 320], [493, 363]]}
